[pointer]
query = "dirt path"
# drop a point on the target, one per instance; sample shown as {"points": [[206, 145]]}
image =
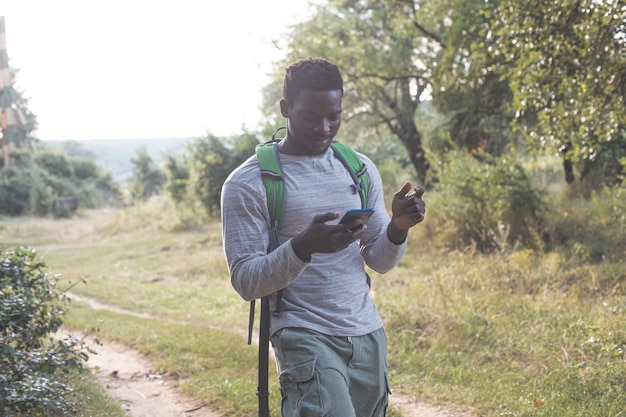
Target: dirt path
{"points": [[130, 379]]}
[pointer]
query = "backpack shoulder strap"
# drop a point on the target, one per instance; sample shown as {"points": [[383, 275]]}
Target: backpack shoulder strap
{"points": [[272, 175], [354, 164]]}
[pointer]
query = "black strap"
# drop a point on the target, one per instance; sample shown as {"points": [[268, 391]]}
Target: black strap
{"points": [[264, 343], [262, 391]]}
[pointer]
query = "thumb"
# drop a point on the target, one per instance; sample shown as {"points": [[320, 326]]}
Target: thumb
{"points": [[401, 193], [325, 217], [419, 191]]}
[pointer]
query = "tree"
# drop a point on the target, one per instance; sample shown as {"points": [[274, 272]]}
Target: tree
{"points": [[18, 122], [197, 175], [468, 86], [386, 51], [147, 178], [34, 182], [176, 177], [566, 65]]}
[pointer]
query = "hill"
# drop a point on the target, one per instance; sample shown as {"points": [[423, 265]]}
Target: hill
{"points": [[115, 154]]}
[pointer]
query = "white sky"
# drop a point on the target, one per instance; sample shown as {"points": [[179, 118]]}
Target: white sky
{"points": [[139, 69]]}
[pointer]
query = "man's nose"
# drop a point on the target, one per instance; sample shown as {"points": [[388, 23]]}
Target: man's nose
{"points": [[323, 126]]}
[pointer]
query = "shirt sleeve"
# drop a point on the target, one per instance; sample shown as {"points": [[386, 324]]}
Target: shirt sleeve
{"points": [[377, 250], [254, 273]]}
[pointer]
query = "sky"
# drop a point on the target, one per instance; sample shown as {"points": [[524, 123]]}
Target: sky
{"points": [[137, 69]]}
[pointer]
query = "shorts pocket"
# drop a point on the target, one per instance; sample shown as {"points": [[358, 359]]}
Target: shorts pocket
{"points": [[302, 393]]}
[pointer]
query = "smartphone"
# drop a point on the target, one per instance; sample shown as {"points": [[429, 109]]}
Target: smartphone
{"points": [[352, 215]]}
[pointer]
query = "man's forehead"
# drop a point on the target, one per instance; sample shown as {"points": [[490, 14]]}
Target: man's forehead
{"points": [[310, 98]]}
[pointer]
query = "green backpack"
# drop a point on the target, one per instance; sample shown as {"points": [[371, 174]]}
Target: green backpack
{"points": [[272, 173]]}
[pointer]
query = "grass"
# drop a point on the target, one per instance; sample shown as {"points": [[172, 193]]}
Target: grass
{"points": [[94, 401], [215, 365], [520, 333]]}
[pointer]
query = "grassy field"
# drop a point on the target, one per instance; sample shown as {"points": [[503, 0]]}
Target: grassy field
{"points": [[519, 333]]}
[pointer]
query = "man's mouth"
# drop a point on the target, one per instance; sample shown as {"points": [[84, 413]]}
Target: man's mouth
{"points": [[323, 139]]}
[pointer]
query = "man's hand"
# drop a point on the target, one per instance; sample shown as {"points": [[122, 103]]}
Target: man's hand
{"points": [[320, 237], [407, 210]]}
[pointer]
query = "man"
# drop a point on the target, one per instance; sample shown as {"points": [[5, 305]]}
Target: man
{"points": [[327, 336]]}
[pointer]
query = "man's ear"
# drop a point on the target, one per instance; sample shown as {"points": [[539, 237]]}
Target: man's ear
{"points": [[284, 107]]}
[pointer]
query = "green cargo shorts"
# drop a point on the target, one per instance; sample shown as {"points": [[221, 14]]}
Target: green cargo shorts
{"points": [[323, 376]]}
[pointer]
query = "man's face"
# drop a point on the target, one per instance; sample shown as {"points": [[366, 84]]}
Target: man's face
{"points": [[312, 121]]}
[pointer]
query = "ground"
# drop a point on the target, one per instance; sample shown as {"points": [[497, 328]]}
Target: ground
{"points": [[129, 378]]}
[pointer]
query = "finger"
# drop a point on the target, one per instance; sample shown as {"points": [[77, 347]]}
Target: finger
{"points": [[401, 193], [419, 191]]}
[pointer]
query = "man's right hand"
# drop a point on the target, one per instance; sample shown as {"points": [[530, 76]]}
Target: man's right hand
{"points": [[320, 237]]}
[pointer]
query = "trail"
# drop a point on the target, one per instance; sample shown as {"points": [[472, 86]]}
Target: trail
{"points": [[129, 378]]}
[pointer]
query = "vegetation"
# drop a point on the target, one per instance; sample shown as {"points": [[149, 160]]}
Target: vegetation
{"points": [[551, 72], [147, 178], [512, 302], [510, 332], [195, 177], [33, 183], [36, 370]]}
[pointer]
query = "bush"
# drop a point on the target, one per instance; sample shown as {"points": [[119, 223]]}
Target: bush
{"points": [[197, 176], [592, 228], [147, 178], [30, 185], [35, 369], [15, 185], [487, 203]]}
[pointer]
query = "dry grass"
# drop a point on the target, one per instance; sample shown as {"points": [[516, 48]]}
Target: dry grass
{"points": [[512, 334]]}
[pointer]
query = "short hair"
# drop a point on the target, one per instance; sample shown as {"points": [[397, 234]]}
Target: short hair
{"points": [[314, 74]]}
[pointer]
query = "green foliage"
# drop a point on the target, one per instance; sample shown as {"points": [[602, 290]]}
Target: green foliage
{"points": [[32, 183], [35, 370], [386, 59], [197, 176], [565, 64], [596, 228], [489, 333], [468, 89], [148, 179], [487, 203], [176, 177], [27, 121], [14, 191], [497, 71]]}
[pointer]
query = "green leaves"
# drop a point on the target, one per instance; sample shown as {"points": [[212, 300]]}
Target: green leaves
{"points": [[490, 203], [34, 370]]}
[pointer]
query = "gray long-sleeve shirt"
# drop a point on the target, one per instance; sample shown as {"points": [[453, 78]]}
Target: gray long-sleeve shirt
{"points": [[330, 293]]}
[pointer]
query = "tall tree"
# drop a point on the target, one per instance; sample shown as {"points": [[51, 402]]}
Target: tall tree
{"points": [[17, 122], [468, 87], [566, 65], [385, 50], [147, 178]]}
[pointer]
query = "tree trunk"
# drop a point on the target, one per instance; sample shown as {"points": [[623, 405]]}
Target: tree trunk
{"points": [[568, 168], [412, 140]]}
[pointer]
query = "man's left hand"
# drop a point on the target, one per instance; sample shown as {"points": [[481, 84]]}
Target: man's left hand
{"points": [[408, 209]]}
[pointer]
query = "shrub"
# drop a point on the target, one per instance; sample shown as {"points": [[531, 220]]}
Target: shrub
{"points": [[35, 369], [15, 183], [594, 227], [197, 176], [30, 185], [147, 178], [488, 203]]}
